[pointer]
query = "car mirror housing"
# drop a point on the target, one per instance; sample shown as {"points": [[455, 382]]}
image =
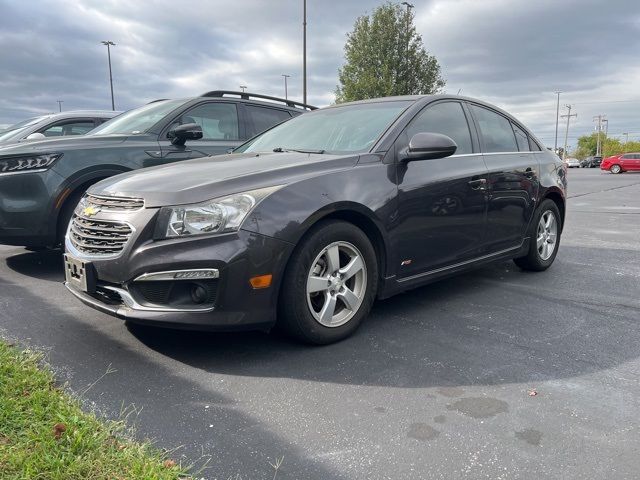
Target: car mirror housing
{"points": [[36, 136], [180, 134], [427, 146]]}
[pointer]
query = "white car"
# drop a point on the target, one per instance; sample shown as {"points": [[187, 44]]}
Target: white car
{"points": [[572, 162]]}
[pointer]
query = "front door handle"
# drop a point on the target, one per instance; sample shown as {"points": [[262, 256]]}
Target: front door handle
{"points": [[529, 173], [479, 184]]}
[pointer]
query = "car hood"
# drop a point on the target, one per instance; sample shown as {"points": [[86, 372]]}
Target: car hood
{"points": [[53, 145], [202, 179]]}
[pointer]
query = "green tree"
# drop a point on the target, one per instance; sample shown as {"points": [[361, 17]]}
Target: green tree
{"points": [[378, 62], [587, 146]]}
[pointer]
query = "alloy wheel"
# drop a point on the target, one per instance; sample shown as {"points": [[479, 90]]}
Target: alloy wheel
{"points": [[336, 284], [547, 235]]}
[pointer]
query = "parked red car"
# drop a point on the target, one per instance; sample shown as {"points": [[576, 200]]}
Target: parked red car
{"points": [[625, 162]]}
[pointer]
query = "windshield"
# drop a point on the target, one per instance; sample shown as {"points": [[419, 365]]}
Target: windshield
{"points": [[16, 130], [138, 120], [347, 129]]}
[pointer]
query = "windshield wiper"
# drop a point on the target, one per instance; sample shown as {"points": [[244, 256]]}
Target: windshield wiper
{"points": [[281, 150]]}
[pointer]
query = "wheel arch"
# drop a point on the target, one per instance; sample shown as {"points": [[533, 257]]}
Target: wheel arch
{"points": [[80, 181], [556, 197], [365, 221]]}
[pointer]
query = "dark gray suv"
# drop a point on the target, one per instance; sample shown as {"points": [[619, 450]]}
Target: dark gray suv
{"points": [[42, 181]]}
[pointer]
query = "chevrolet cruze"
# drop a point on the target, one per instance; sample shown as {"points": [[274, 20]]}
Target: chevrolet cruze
{"points": [[306, 224]]}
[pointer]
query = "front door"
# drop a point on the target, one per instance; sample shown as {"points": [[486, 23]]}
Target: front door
{"points": [[513, 178], [442, 202], [220, 132]]}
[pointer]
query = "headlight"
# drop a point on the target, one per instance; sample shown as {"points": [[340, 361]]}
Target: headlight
{"points": [[221, 215], [28, 163]]}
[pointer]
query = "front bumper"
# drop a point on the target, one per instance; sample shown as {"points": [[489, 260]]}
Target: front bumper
{"points": [[26, 203], [235, 257]]}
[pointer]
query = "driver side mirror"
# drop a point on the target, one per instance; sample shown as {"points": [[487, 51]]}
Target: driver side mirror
{"points": [[36, 136], [180, 134], [427, 146]]}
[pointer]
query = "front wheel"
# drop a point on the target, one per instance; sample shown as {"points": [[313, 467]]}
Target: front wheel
{"points": [[329, 285], [544, 235], [615, 169]]}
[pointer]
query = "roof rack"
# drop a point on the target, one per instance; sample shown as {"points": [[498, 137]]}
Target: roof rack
{"points": [[248, 96]]}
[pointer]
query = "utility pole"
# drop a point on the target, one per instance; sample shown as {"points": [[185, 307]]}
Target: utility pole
{"points": [[566, 132], [109, 43], [606, 128], [243, 87], [626, 137], [406, 62], [599, 118], [286, 95], [304, 52], [60, 102], [555, 144]]}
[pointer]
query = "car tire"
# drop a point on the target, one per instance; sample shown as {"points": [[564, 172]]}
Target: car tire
{"points": [[541, 232], [615, 169], [318, 313]]}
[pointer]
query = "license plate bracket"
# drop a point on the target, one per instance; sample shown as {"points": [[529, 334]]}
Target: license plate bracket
{"points": [[79, 274]]}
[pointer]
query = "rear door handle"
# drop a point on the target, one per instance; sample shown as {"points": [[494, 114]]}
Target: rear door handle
{"points": [[479, 184]]}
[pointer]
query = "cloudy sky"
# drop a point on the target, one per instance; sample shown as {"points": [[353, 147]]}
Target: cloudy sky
{"points": [[513, 53]]}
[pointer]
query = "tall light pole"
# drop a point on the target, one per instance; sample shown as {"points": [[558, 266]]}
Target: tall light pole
{"points": [[109, 44], [304, 51], [626, 137], [243, 87], [406, 60], [286, 93], [555, 143], [566, 132], [60, 105], [599, 118]]}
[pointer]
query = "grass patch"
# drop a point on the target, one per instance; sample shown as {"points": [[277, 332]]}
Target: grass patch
{"points": [[45, 434]]}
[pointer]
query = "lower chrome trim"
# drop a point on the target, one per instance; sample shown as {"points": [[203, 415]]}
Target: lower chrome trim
{"points": [[131, 303], [461, 264]]}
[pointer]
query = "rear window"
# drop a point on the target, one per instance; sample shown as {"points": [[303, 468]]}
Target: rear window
{"points": [[264, 118], [496, 131]]}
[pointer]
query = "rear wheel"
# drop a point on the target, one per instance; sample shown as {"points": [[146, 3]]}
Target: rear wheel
{"points": [[544, 235], [615, 169], [329, 285]]}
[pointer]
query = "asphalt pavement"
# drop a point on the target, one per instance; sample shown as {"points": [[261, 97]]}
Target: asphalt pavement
{"points": [[438, 382]]}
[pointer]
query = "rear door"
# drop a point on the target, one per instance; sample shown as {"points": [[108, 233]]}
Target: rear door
{"points": [[260, 118], [221, 131], [442, 202], [513, 178]]}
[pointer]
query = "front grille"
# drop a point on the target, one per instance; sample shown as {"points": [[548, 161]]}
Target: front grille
{"points": [[98, 237], [114, 204]]}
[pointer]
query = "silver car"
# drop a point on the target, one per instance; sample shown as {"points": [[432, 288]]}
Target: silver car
{"points": [[62, 124]]}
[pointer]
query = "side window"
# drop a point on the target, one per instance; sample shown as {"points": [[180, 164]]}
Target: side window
{"points": [[627, 156], [447, 118], [264, 118], [521, 138], [68, 128], [219, 121], [496, 131], [534, 146]]}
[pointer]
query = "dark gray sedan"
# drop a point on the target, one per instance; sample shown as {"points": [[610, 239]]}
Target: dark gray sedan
{"points": [[312, 220]]}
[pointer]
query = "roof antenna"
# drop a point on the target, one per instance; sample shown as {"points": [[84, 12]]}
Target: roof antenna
{"points": [[459, 90]]}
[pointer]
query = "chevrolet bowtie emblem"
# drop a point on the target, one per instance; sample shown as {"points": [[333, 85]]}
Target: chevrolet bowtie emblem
{"points": [[90, 211]]}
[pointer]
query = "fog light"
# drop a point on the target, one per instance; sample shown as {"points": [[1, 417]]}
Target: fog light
{"points": [[261, 281], [199, 294]]}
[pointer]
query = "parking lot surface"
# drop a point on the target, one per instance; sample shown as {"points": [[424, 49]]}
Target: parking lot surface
{"points": [[438, 383]]}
